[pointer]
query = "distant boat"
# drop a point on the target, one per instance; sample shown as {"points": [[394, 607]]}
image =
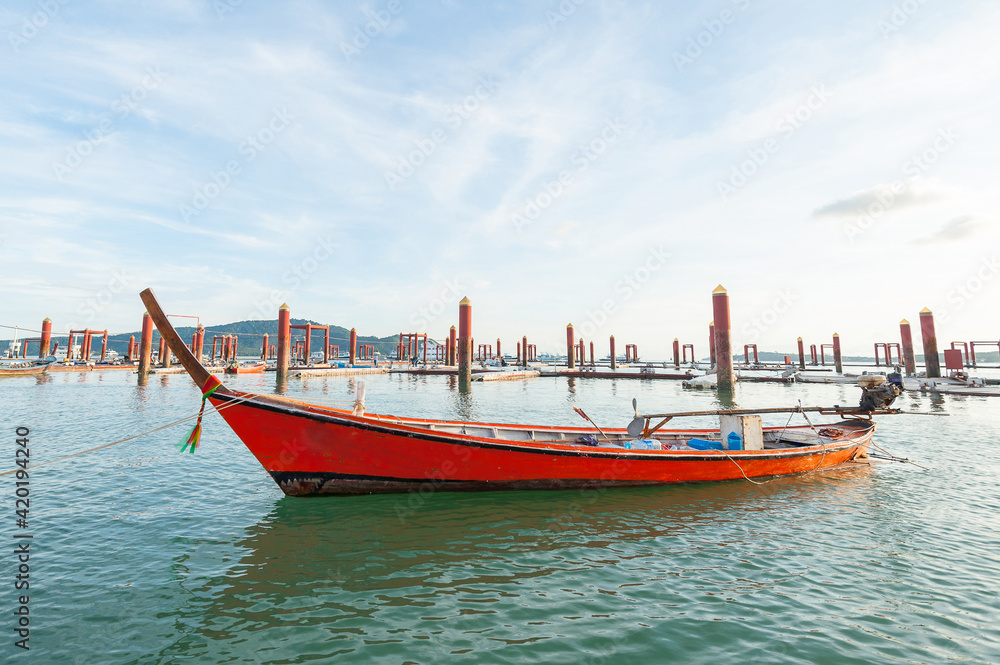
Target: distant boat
{"points": [[237, 368], [311, 449], [27, 368]]}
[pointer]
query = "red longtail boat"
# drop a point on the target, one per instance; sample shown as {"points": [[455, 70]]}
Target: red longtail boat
{"points": [[310, 449]]}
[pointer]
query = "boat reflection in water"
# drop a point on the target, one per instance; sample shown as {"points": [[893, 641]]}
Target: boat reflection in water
{"points": [[422, 577]]}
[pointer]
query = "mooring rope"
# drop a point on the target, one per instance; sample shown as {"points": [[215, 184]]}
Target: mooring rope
{"points": [[235, 402]]}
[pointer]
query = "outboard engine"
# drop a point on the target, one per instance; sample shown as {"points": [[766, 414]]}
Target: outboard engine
{"points": [[878, 391]]}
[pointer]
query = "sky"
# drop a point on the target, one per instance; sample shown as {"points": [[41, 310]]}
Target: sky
{"points": [[606, 164]]}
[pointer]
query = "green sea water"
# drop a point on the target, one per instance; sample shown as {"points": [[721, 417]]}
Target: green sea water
{"points": [[141, 554]]}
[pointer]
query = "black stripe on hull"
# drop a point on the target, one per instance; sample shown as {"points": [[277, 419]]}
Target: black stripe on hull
{"points": [[294, 483]]}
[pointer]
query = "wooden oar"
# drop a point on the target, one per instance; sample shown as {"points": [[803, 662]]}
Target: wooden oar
{"points": [[587, 418]]}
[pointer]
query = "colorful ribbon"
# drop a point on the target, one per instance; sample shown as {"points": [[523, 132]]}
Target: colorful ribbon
{"points": [[194, 436]]}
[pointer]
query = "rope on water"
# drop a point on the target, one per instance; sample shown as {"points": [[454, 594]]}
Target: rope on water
{"points": [[129, 438]]}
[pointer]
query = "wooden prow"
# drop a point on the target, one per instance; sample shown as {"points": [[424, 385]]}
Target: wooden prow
{"points": [[194, 368]]}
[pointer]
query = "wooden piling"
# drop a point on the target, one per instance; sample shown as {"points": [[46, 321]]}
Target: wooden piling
{"points": [[161, 351], [145, 343], [465, 341], [524, 351], [614, 361], [570, 347], [452, 347], [838, 362], [284, 335], [723, 340], [802, 354], [263, 348], [906, 337], [677, 353], [43, 348], [931, 360]]}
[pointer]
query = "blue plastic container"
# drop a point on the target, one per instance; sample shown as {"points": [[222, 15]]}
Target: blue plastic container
{"points": [[735, 441], [704, 444]]}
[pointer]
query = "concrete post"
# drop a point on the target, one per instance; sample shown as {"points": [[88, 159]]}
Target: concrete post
{"points": [[711, 344], [570, 347], [906, 336], [931, 360], [723, 340], [838, 362], [145, 343], [43, 348], [465, 341], [284, 334]]}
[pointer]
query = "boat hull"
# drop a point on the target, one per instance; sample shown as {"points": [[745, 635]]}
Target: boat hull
{"points": [[311, 450], [25, 370]]}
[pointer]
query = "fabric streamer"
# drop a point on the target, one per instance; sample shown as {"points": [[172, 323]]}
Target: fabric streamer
{"points": [[194, 436]]}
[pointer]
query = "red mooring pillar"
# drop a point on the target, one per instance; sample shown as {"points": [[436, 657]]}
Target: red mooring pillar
{"points": [[284, 333], [524, 351], [931, 360], [465, 341], [263, 348], [711, 344], [802, 354], [614, 361], [452, 347], [43, 348], [723, 340], [570, 347], [200, 352], [906, 336], [838, 362], [677, 353], [145, 343], [352, 355], [162, 350]]}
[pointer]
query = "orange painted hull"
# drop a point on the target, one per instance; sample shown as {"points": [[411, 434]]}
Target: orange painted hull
{"points": [[309, 450]]}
